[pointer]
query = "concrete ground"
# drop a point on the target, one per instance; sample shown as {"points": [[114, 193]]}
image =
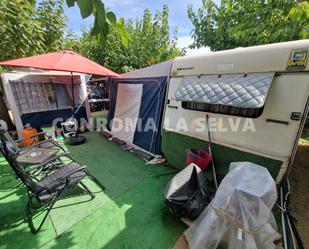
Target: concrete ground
{"points": [[299, 198]]}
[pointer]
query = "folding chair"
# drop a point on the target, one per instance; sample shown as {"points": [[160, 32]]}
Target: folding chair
{"points": [[13, 149], [50, 188]]}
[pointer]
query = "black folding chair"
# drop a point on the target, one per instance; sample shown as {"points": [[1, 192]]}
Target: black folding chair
{"points": [[13, 149], [48, 189]]}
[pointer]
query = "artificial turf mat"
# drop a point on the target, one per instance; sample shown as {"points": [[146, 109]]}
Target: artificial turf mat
{"points": [[136, 219], [129, 214], [118, 170], [14, 231], [68, 211]]}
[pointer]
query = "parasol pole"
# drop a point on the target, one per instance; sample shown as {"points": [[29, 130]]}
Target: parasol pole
{"points": [[73, 97]]}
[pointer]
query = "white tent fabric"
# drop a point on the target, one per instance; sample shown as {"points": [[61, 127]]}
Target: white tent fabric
{"points": [[30, 91], [126, 111], [79, 95], [161, 69]]}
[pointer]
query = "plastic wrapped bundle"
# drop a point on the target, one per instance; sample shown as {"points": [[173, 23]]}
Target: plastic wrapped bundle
{"points": [[239, 217]]}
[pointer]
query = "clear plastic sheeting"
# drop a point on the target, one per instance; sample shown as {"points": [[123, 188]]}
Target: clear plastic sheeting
{"points": [[239, 217]]}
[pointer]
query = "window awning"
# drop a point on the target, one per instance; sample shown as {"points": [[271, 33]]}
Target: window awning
{"points": [[231, 90]]}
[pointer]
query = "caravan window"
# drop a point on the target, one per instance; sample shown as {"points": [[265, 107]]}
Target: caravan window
{"points": [[234, 94]]}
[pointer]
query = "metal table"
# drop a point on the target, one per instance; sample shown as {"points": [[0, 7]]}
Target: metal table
{"points": [[36, 156]]}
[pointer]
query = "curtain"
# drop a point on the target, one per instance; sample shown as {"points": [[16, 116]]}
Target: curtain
{"points": [[78, 94], [34, 97]]}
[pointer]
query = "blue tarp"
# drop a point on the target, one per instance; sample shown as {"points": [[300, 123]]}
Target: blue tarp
{"points": [[149, 108]]}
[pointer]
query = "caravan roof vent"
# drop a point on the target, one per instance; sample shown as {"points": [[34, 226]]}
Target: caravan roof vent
{"points": [[234, 94]]}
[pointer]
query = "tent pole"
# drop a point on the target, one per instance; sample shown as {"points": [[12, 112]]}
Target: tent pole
{"points": [[73, 97]]}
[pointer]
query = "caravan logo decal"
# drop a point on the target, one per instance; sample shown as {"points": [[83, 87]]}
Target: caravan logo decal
{"points": [[298, 60]]}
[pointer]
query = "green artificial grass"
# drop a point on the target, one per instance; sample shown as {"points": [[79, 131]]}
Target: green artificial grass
{"points": [[14, 231], [68, 211], [136, 219], [130, 213], [117, 169]]}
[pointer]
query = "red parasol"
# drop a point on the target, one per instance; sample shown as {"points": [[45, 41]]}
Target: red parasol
{"points": [[67, 61], [61, 61]]}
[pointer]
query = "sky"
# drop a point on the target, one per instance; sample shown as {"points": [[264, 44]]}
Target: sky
{"points": [[135, 8]]}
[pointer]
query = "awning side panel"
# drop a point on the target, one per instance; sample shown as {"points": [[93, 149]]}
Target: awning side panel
{"points": [[137, 104]]}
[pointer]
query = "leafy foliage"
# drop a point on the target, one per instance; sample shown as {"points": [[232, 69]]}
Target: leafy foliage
{"points": [[51, 18], [20, 33], [26, 29], [103, 20], [300, 13], [236, 23], [151, 43]]}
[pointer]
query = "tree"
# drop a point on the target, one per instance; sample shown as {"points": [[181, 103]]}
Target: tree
{"points": [[27, 29], [300, 13], [150, 43], [20, 33], [236, 23], [103, 20], [52, 21]]}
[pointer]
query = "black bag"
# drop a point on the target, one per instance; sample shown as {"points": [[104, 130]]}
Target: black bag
{"points": [[185, 195]]}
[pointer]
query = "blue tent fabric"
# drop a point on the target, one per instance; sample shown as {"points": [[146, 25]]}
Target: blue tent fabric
{"points": [[38, 119], [150, 110]]}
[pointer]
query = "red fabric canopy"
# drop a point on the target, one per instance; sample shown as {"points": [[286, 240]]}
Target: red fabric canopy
{"points": [[62, 61]]}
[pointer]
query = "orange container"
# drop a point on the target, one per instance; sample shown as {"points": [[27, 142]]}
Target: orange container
{"points": [[28, 132]]}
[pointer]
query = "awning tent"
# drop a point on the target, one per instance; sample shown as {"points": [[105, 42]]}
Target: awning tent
{"points": [[137, 100], [136, 106], [40, 96]]}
